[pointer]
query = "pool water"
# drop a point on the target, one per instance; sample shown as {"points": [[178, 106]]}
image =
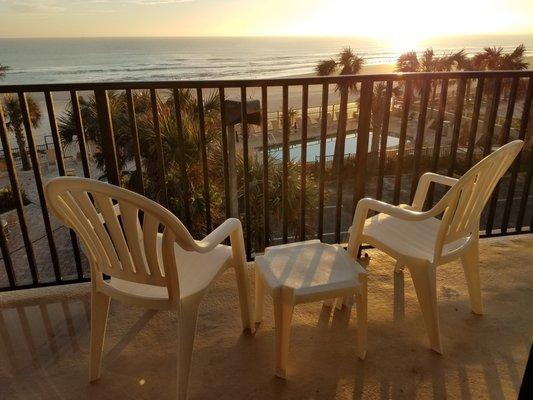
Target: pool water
{"points": [[313, 148]]}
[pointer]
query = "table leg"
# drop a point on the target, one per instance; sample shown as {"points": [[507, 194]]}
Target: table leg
{"points": [[259, 295], [283, 310]]}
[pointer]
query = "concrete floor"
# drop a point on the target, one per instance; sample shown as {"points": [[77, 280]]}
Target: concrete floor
{"points": [[44, 338]]}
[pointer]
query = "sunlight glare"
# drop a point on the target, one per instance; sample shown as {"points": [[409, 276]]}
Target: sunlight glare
{"points": [[402, 43]]}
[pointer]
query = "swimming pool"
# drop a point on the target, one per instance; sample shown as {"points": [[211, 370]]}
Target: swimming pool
{"points": [[313, 148]]}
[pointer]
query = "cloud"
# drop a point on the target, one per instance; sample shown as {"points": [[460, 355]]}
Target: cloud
{"points": [[154, 2], [59, 6], [143, 2], [34, 6]]}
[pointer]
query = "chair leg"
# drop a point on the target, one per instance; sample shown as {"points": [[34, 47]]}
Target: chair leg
{"points": [[399, 296], [99, 310], [259, 296], [361, 305], [470, 261], [186, 332], [398, 267], [243, 282], [283, 309], [425, 282]]}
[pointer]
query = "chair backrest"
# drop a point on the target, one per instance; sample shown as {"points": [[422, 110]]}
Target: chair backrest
{"points": [[464, 202], [121, 231]]}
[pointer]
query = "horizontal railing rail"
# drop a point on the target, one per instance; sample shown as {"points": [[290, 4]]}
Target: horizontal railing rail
{"points": [[290, 157], [237, 83]]}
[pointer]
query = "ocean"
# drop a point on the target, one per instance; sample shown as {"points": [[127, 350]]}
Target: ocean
{"points": [[51, 60]]}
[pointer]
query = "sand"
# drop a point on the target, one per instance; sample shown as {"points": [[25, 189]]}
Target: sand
{"points": [[61, 99]]}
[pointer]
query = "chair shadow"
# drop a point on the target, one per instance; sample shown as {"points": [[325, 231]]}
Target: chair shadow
{"points": [[113, 354], [46, 339]]}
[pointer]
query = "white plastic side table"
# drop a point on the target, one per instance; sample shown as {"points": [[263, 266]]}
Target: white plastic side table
{"points": [[305, 272]]}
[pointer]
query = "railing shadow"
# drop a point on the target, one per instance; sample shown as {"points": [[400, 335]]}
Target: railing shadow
{"points": [[44, 338]]}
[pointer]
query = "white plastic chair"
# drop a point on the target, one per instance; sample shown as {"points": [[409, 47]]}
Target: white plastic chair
{"points": [[151, 258], [420, 241]]}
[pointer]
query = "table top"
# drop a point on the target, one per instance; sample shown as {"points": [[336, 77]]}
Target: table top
{"points": [[308, 265]]}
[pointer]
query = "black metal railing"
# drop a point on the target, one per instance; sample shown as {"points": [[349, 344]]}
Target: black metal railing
{"points": [[292, 178]]}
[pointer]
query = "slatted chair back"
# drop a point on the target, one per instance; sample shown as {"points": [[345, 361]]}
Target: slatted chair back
{"points": [[463, 204], [121, 231]]}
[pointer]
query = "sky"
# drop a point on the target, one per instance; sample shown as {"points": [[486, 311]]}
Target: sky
{"points": [[393, 20]]}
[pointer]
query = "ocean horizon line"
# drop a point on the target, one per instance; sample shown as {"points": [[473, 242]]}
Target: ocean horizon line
{"points": [[379, 38]]}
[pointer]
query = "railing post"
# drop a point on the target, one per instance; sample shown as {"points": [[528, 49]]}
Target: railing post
{"points": [[285, 168], [232, 169], [363, 132], [266, 202], [80, 133], [339, 154], [246, 174], [108, 139], [203, 151], [185, 193], [26, 118], [322, 162], [222, 101], [62, 172], [17, 197], [515, 169]]}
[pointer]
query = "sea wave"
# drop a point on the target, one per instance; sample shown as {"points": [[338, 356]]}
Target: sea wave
{"points": [[37, 61]]}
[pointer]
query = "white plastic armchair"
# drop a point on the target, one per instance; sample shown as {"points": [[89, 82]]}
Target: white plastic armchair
{"points": [[422, 240], [151, 258]]}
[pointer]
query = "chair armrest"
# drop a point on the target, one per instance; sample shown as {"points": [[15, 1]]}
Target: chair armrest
{"points": [[423, 186], [223, 231], [368, 204], [361, 213]]}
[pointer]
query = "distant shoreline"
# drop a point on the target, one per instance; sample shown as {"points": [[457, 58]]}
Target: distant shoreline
{"points": [[385, 68], [371, 69]]}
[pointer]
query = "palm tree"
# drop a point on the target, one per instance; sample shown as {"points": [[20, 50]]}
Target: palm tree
{"points": [[255, 165], [376, 116], [348, 63], [120, 121], [408, 62], [494, 58], [192, 186], [15, 123], [3, 69], [429, 62]]}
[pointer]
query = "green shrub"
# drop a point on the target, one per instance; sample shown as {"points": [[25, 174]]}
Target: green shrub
{"points": [[7, 201]]}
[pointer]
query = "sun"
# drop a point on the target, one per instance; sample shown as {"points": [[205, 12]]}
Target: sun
{"points": [[402, 42]]}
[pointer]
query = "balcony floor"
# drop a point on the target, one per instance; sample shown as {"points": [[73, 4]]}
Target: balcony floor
{"points": [[44, 339]]}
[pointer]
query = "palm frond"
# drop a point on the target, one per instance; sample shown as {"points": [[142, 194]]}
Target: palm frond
{"points": [[326, 67], [407, 62]]}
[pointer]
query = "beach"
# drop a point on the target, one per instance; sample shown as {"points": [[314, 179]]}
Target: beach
{"points": [[62, 99]]}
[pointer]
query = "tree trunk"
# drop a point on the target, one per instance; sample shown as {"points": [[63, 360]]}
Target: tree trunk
{"points": [[468, 89], [21, 142], [432, 102], [377, 119], [341, 127], [489, 94]]}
